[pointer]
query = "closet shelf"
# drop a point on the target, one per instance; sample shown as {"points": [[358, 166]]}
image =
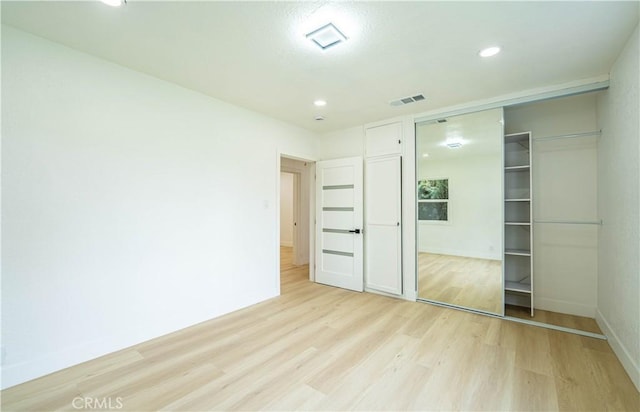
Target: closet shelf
{"points": [[512, 286], [595, 133], [518, 220], [521, 168], [517, 252], [569, 222]]}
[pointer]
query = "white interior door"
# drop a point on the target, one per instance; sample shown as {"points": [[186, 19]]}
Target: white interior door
{"points": [[383, 216], [339, 223]]}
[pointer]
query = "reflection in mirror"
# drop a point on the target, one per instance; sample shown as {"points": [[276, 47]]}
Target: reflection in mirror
{"points": [[459, 194]]}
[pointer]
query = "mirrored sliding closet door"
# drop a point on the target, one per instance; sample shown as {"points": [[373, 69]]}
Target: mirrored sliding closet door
{"points": [[459, 167]]}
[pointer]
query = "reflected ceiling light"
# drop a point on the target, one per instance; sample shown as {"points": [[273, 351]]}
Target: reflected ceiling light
{"points": [[453, 142], [320, 103], [327, 36], [425, 155], [489, 51]]}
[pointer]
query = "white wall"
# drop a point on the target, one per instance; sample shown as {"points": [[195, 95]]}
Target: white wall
{"points": [[619, 206], [564, 188], [286, 209], [131, 207], [343, 143], [475, 203]]}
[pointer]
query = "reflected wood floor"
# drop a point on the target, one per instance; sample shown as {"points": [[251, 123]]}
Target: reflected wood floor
{"points": [[463, 281], [322, 348]]}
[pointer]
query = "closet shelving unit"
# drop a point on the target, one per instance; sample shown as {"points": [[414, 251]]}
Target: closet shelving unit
{"points": [[518, 228]]}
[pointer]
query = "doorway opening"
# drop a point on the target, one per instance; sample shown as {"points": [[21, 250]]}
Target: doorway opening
{"points": [[296, 208]]}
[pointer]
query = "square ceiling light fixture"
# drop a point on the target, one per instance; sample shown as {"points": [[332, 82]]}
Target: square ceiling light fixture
{"points": [[327, 36]]}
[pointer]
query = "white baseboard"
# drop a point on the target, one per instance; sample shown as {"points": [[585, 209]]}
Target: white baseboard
{"points": [[628, 363], [562, 306], [382, 292], [286, 243]]}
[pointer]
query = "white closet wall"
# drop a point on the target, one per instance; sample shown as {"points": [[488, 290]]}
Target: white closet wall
{"points": [[619, 206], [565, 190]]}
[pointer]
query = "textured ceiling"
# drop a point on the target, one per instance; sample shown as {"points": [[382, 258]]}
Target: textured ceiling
{"points": [[255, 55]]}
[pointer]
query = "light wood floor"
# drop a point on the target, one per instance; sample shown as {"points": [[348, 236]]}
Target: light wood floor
{"points": [[553, 318], [463, 281], [322, 348]]}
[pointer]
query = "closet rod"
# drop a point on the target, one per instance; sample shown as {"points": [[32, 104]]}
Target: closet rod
{"points": [[569, 136], [570, 222]]}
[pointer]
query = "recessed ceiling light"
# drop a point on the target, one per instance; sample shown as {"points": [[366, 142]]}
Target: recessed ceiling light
{"points": [[320, 103], [114, 3], [489, 51], [425, 155], [327, 36]]}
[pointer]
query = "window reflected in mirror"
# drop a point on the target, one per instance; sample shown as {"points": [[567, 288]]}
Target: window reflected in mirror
{"points": [[433, 200]]}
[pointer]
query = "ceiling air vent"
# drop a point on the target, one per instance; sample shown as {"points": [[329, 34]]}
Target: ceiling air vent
{"points": [[407, 100]]}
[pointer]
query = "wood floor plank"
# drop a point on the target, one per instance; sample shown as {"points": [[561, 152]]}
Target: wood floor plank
{"points": [[490, 379], [533, 352], [156, 396], [616, 394], [56, 398], [63, 383], [321, 348], [299, 398], [533, 392], [273, 385], [553, 318], [354, 384], [401, 376], [574, 393], [357, 348]]}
